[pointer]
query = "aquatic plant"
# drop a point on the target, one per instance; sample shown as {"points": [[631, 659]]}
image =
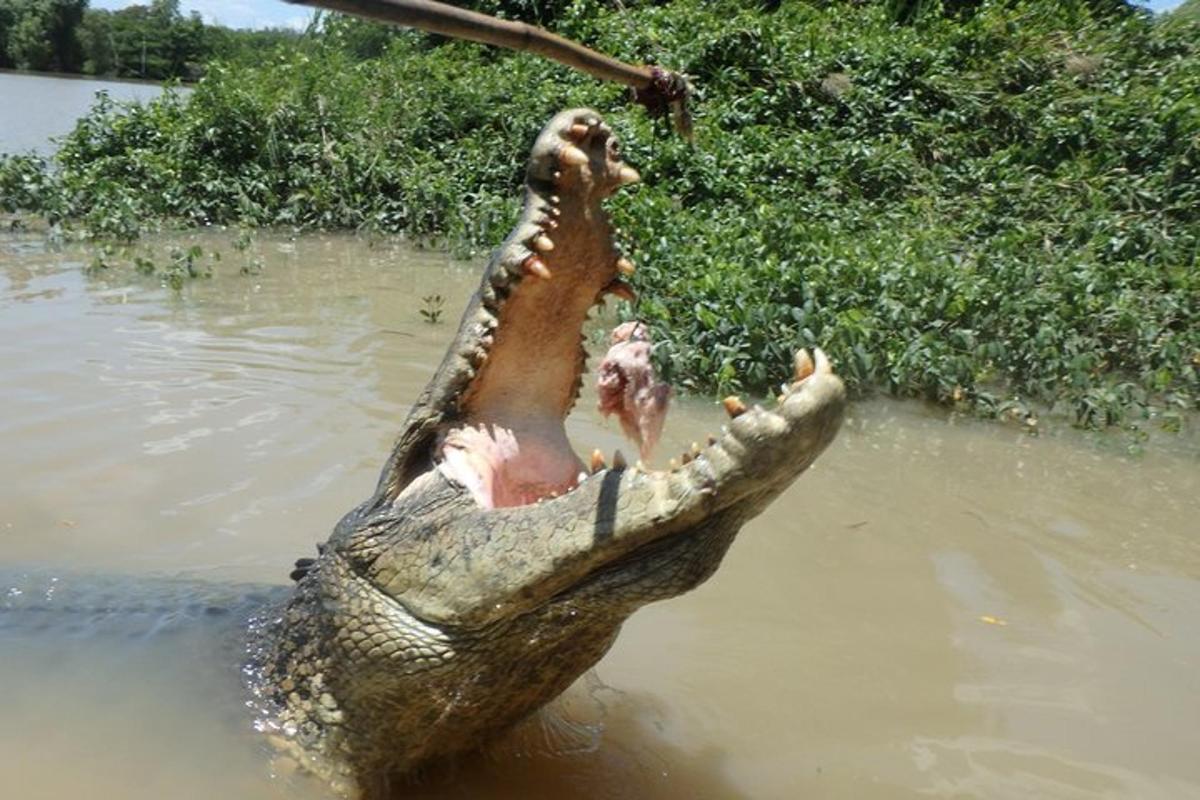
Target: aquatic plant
{"points": [[990, 205], [431, 308]]}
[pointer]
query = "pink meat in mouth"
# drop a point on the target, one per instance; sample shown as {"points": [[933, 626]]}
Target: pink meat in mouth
{"points": [[627, 386]]}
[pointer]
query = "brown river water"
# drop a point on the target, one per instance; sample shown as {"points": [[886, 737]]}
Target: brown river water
{"points": [[941, 608]]}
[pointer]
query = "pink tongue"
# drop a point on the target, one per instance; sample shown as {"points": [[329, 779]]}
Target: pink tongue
{"points": [[628, 387], [500, 469]]}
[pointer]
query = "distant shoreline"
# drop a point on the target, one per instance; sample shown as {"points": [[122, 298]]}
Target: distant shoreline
{"points": [[81, 76]]}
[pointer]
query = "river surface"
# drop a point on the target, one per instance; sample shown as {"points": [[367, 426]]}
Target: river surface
{"points": [[39, 107], [940, 608]]}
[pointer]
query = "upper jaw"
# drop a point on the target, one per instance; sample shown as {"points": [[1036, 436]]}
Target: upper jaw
{"points": [[517, 360]]}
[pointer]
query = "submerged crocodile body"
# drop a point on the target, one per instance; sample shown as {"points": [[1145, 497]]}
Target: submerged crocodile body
{"points": [[492, 566]]}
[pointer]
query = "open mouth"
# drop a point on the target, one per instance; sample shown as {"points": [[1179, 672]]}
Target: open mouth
{"points": [[519, 360], [493, 565]]}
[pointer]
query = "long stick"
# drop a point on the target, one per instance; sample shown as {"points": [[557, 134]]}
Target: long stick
{"points": [[657, 89]]}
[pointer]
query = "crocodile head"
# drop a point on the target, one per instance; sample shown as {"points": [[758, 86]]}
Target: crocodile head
{"points": [[493, 566]]}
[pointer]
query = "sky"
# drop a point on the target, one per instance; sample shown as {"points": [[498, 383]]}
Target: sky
{"points": [[277, 14], [233, 13]]}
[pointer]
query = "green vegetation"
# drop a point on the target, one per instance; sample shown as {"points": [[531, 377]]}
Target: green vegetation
{"points": [[154, 41], [988, 204], [1189, 10]]}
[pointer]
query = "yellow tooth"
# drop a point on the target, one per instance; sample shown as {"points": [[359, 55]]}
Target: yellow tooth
{"points": [[625, 266], [535, 266], [619, 460], [578, 132], [822, 362], [734, 406], [695, 449], [542, 243], [672, 463], [628, 175], [803, 365], [597, 460], [621, 289], [572, 156]]}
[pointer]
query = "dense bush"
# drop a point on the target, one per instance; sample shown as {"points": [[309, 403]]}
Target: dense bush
{"points": [[984, 203]]}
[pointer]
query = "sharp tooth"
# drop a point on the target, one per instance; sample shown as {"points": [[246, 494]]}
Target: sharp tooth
{"points": [[578, 132], [535, 266], [597, 462], [550, 224], [671, 463], [822, 366], [621, 289], [803, 364], [734, 406], [580, 478], [695, 448], [572, 156], [628, 175], [641, 466], [542, 243], [619, 460], [625, 266]]}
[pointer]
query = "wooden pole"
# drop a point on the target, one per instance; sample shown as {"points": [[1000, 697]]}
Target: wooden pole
{"points": [[660, 91]]}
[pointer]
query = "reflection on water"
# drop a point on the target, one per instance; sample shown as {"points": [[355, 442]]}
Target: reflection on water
{"points": [[940, 608]]}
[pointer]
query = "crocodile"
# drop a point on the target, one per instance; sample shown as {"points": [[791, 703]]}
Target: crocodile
{"points": [[493, 566]]}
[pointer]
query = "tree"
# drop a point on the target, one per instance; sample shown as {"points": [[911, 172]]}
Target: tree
{"points": [[41, 34], [8, 18], [99, 48]]}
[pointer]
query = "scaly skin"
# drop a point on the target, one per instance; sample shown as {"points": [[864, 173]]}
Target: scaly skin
{"points": [[429, 624]]}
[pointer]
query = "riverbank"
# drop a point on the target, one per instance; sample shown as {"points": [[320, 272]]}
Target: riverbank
{"points": [[995, 209], [78, 76]]}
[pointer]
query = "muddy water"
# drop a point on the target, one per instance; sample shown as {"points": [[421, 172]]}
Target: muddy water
{"points": [[941, 608]]}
